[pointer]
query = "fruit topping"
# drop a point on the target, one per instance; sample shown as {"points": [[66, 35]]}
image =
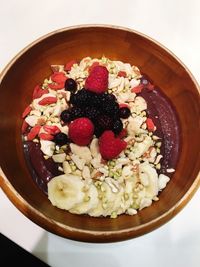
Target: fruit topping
{"points": [[61, 139], [81, 131], [124, 112], [69, 65], [97, 81], [150, 125], [81, 99], [47, 101], [110, 146], [70, 85]]}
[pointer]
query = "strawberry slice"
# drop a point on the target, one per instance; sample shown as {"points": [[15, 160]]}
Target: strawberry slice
{"points": [[38, 92], [58, 77], [69, 65], [57, 86], [51, 129], [47, 101], [137, 89], [122, 73], [33, 132], [26, 111], [45, 136], [150, 125]]}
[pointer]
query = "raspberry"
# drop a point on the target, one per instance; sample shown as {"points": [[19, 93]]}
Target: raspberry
{"points": [[123, 133], [81, 131], [97, 81], [110, 146], [94, 64]]}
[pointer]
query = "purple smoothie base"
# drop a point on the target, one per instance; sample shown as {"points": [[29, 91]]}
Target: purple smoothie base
{"points": [[159, 109]]}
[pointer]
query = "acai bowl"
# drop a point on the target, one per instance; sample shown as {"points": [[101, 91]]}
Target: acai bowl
{"points": [[118, 141]]}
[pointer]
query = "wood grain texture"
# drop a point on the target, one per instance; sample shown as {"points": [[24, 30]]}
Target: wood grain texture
{"points": [[30, 67]]}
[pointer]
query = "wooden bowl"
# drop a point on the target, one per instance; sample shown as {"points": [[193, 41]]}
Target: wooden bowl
{"points": [[30, 67]]}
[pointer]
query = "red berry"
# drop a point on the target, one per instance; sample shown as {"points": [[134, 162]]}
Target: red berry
{"points": [[69, 65], [123, 133], [150, 125], [45, 136], [122, 74], [81, 131], [94, 64], [51, 129], [38, 92], [110, 146], [137, 89], [58, 77], [47, 101], [57, 86], [26, 111], [97, 81], [123, 105], [33, 132]]}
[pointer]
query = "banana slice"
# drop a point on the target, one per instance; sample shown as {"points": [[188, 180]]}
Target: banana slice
{"points": [[128, 193], [109, 202], [98, 210], [152, 188], [65, 191], [90, 201]]}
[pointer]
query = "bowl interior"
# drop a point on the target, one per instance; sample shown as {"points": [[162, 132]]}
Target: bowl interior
{"points": [[33, 65]]}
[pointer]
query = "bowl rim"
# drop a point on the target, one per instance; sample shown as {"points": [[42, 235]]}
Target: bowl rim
{"points": [[90, 235]]}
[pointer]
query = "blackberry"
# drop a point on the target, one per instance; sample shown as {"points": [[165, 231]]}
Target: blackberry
{"points": [[66, 116], [103, 123], [96, 100], [92, 113], [110, 108], [76, 112], [61, 139], [117, 126], [81, 99], [108, 97], [70, 85], [124, 112]]}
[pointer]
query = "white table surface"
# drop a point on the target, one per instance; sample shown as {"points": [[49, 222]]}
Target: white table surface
{"points": [[176, 24]]}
